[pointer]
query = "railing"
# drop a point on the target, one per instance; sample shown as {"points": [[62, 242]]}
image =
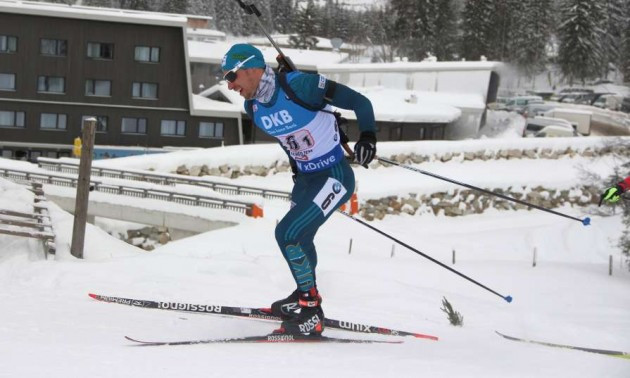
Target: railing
{"points": [[162, 179], [31, 225], [250, 209]]}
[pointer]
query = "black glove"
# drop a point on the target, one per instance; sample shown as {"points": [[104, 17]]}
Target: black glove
{"points": [[294, 169], [365, 148]]}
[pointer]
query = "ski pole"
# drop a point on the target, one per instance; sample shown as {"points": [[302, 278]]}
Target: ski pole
{"points": [[586, 221], [283, 60], [506, 298]]}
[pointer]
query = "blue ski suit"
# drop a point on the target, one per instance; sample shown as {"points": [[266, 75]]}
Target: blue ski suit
{"points": [[311, 139]]}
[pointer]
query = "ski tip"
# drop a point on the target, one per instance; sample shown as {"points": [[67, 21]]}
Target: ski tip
{"points": [[93, 295], [422, 336], [586, 221], [508, 299]]}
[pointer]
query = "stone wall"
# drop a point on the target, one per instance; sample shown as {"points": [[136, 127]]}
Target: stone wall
{"points": [[234, 171], [147, 237], [466, 201], [456, 202]]}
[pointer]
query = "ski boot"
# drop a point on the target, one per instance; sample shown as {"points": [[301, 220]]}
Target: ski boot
{"points": [[310, 320], [288, 307]]}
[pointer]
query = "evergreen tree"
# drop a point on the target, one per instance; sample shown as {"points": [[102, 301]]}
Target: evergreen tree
{"points": [[414, 31], [282, 13], [445, 42], [613, 25], [142, 5], [580, 37], [229, 17], [174, 6], [625, 54], [532, 32], [379, 33], [305, 27], [477, 29], [341, 22]]}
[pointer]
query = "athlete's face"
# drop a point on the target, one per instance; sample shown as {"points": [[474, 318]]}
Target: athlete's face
{"points": [[246, 82]]}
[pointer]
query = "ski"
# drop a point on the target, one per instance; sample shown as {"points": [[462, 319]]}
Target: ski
{"points": [[252, 313], [271, 338], [613, 353]]}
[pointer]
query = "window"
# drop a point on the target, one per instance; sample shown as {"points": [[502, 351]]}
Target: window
{"points": [[144, 90], [173, 128], [53, 121], [101, 123], [134, 125], [52, 84], [53, 47], [97, 50], [7, 82], [10, 118], [210, 130], [98, 87], [8, 44], [7, 154], [147, 54]]}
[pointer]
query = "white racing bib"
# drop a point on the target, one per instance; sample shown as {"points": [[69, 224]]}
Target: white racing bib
{"points": [[330, 195]]}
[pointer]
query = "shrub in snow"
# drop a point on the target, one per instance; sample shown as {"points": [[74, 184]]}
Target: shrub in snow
{"points": [[454, 317]]}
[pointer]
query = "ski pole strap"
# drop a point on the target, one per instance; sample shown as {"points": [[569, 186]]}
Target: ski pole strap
{"points": [[586, 221]]}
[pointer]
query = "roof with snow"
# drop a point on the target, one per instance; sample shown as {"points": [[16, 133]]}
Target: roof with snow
{"points": [[306, 60], [389, 105], [92, 13]]}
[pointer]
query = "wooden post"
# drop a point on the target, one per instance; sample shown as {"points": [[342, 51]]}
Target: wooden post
{"points": [[610, 265], [453, 257], [534, 261], [83, 188], [350, 247]]}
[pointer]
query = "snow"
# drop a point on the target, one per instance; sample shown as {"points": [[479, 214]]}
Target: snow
{"points": [[212, 52], [49, 327]]}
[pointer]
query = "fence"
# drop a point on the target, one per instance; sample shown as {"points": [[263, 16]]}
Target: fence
{"points": [[32, 225], [250, 209], [162, 179]]}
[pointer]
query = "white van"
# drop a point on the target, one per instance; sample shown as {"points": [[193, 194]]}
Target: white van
{"points": [[555, 131], [609, 101], [518, 104], [537, 124], [582, 118]]}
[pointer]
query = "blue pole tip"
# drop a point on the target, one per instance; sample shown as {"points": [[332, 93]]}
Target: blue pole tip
{"points": [[586, 221], [508, 299]]}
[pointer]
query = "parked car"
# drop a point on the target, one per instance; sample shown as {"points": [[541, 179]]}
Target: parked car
{"points": [[576, 98], [568, 91], [609, 101], [518, 104], [533, 110], [536, 124], [544, 94], [555, 131], [499, 104]]}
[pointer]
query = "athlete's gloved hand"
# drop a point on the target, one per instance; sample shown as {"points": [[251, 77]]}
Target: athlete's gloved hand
{"points": [[611, 195], [365, 148]]}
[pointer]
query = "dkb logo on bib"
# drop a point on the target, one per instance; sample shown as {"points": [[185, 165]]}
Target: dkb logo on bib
{"points": [[276, 119]]}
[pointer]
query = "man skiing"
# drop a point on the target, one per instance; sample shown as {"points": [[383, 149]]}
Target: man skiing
{"points": [[613, 194], [323, 179]]}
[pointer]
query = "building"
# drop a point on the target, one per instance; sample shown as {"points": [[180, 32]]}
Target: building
{"points": [[130, 69], [423, 100]]}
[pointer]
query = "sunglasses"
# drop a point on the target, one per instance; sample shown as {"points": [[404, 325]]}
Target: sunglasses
{"points": [[231, 74]]}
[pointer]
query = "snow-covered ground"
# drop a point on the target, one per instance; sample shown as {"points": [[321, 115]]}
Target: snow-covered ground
{"points": [[49, 327]]}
